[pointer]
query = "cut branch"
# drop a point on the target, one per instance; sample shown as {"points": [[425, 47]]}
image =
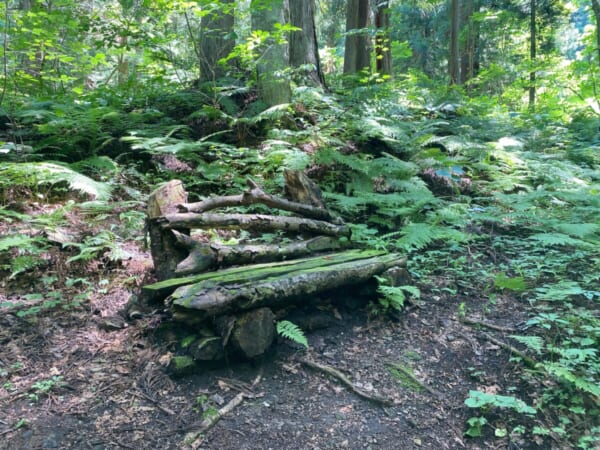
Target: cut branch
{"points": [[255, 222], [205, 256], [256, 195]]}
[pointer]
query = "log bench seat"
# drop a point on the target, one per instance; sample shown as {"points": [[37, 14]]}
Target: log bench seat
{"points": [[233, 293]]}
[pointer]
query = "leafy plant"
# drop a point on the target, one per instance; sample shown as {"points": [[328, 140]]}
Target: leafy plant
{"points": [[486, 401], [393, 297], [292, 332]]}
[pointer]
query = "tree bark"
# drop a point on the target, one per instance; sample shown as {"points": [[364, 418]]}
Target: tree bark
{"points": [[216, 41], [272, 83], [254, 222], [214, 298], [356, 53], [304, 48]]}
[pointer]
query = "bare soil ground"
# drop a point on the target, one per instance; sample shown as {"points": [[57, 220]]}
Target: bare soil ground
{"points": [[108, 388]]}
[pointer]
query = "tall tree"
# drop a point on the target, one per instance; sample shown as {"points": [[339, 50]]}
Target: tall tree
{"points": [[454, 50], [532, 52], [272, 82], [357, 51], [216, 39], [469, 41], [383, 53], [596, 11], [304, 49]]}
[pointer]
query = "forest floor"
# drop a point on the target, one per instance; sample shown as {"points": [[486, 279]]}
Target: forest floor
{"points": [[71, 380]]}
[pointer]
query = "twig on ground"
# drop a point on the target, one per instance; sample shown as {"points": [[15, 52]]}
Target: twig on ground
{"points": [[491, 326], [194, 438], [345, 381], [530, 362], [156, 403]]}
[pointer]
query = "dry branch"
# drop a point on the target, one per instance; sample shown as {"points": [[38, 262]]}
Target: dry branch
{"points": [[205, 256], [255, 195], [329, 370], [491, 326], [194, 438], [255, 222]]}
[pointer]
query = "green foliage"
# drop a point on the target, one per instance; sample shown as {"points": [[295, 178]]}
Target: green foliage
{"points": [[23, 253], [485, 401], [47, 178], [393, 297], [292, 332]]}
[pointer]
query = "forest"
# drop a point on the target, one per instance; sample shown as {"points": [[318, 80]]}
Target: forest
{"points": [[449, 154]]}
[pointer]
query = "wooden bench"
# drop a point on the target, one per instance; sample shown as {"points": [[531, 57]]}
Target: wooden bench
{"points": [[232, 292]]}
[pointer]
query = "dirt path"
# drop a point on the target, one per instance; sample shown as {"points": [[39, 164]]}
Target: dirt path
{"points": [[102, 389]]}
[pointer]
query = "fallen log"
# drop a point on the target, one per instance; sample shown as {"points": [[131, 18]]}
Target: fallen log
{"points": [[253, 273], [265, 287], [255, 195], [255, 222], [204, 256]]}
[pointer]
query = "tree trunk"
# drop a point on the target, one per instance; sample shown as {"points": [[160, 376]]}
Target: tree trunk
{"points": [[272, 83], [469, 42], [216, 41], [304, 49], [453, 53], [383, 51], [356, 53], [532, 55], [596, 10]]}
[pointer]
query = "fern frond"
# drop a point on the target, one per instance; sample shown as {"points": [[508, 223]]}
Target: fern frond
{"points": [[46, 173], [292, 332], [535, 343], [557, 239], [417, 236], [565, 374], [578, 230]]}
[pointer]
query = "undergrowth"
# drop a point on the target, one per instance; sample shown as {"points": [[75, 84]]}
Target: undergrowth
{"points": [[481, 203]]}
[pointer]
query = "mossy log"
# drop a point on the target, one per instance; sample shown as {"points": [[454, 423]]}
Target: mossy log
{"points": [[205, 256], [276, 286], [254, 273], [254, 222], [256, 195]]}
